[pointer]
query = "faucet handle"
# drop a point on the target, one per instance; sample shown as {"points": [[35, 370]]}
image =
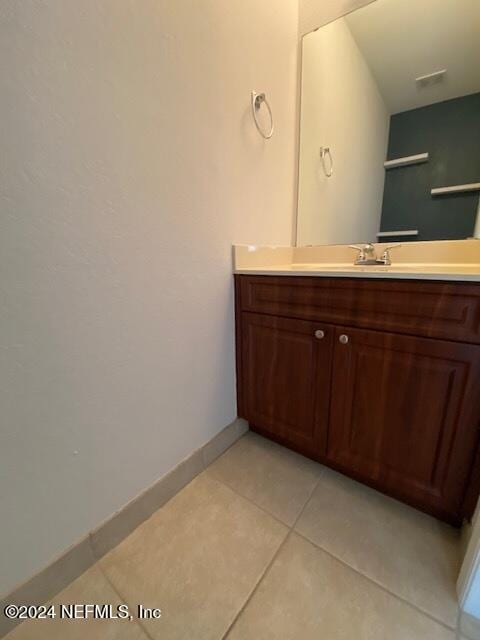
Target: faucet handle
{"points": [[366, 252], [386, 253], [362, 247]]}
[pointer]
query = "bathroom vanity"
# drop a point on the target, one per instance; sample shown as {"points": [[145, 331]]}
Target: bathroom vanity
{"points": [[378, 378], [370, 363]]}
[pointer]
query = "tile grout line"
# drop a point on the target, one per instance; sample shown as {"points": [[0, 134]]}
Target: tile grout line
{"points": [[99, 563], [241, 495], [377, 584], [115, 589], [98, 560], [293, 530], [275, 555], [257, 585], [308, 500], [238, 493]]}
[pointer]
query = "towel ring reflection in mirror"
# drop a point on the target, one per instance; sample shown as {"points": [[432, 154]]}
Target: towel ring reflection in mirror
{"points": [[324, 152], [257, 100]]}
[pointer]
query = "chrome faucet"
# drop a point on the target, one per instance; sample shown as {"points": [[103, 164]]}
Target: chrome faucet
{"points": [[367, 255]]}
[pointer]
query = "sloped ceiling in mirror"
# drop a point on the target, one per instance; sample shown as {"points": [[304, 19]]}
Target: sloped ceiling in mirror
{"points": [[404, 40]]}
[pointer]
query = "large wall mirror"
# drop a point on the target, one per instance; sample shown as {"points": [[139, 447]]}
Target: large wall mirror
{"points": [[390, 125]]}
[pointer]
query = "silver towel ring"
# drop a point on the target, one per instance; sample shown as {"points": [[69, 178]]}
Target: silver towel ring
{"points": [[257, 100], [325, 151]]}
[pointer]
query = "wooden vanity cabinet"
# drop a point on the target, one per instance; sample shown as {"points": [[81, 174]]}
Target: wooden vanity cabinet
{"points": [[402, 415], [288, 372], [398, 410]]}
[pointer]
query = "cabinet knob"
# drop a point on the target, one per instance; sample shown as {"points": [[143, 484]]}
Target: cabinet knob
{"points": [[343, 339], [319, 334]]}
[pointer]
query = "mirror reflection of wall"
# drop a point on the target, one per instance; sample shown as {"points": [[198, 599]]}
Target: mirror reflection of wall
{"points": [[395, 82]]}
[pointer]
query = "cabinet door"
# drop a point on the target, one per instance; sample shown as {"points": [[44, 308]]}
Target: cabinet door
{"points": [[405, 415], [286, 367]]}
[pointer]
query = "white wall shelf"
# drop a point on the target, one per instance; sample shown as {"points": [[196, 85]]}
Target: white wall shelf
{"points": [[404, 162], [390, 234], [459, 188]]}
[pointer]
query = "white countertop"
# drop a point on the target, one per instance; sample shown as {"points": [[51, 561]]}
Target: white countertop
{"points": [[454, 260], [411, 272]]}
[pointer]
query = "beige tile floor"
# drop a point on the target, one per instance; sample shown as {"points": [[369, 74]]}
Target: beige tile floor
{"points": [[266, 544]]}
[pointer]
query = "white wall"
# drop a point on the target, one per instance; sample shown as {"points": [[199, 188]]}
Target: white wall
{"points": [[315, 13], [343, 109], [129, 164]]}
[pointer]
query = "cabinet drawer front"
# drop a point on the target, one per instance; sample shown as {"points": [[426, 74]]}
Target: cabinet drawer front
{"points": [[405, 414], [433, 309]]}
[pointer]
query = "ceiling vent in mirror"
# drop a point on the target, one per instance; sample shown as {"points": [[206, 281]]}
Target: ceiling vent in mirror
{"points": [[431, 78]]}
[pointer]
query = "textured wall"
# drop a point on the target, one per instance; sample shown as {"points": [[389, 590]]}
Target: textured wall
{"points": [[129, 164]]}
